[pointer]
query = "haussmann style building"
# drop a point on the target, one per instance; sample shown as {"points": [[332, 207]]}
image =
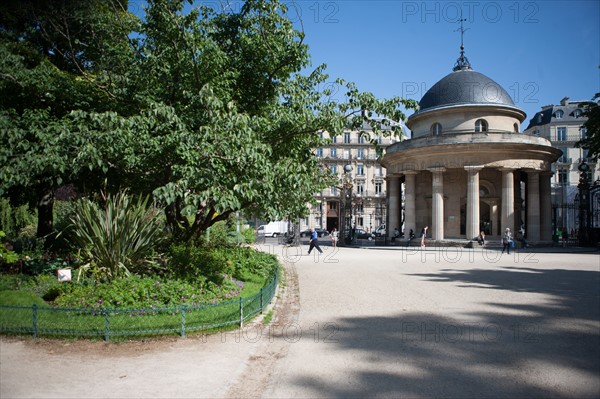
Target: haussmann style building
{"points": [[467, 167]]}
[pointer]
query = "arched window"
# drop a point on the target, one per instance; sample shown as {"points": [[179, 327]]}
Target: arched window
{"points": [[481, 125], [436, 129], [559, 114], [516, 127]]}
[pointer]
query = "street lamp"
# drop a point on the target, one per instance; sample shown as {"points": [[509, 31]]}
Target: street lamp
{"points": [[584, 191], [346, 205]]}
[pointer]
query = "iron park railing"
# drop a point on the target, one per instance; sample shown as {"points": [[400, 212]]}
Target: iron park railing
{"points": [[107, 323]]}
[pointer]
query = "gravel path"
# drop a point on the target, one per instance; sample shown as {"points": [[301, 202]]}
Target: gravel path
{"points": [[361, 323]]}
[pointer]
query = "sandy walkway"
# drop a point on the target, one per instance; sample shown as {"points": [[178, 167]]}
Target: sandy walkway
{"points": [[361, 323]]}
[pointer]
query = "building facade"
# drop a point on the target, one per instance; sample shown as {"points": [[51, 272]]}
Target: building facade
{"points": [[562, 125], [353, 158], [467, 167]]}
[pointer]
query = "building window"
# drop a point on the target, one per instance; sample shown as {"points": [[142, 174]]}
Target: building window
{"points": [[347, 137], [360, 209], [378, 171], [320, 152], [563, 158], [559, 114], [346, 153], [536, 132], [334, 191], [360, 153], [332, 205], [539, 118], [436, 129], [334, 139], [378, 188], [583, 133], [360, 222], [360, 188], [361, 138], [577, 113], [379, 139], [563, 176], [360, 169], [333, 152], [516, 127], [481, 125], [333, 169], [561, 134]]}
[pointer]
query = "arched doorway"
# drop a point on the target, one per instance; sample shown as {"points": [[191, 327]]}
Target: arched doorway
{"points": [[485, 219]]}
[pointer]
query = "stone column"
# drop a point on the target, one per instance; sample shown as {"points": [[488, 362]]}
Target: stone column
{"points": [[473, 216], [494, 214], [508, 200], [410, 208], [533, 205], [545, 206], [437, 203], [393, 192]]}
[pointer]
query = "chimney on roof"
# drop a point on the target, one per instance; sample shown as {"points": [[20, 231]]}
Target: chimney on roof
{"points": [[564, 101]]}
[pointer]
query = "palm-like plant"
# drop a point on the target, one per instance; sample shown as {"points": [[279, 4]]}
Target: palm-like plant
{"points": [[115, 238]]}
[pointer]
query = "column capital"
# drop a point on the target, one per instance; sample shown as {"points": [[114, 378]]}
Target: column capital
{"points": [[504, 169], [437, 169], [473, 168]]}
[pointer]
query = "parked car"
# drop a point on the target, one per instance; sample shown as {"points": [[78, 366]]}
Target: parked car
{"points": [[361, 234], [320, 232]]}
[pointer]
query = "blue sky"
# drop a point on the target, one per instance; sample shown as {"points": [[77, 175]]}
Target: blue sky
{"points": [[539, 51]]}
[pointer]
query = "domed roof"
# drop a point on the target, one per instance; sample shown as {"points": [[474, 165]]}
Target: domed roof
{"points": [[465, 86]]}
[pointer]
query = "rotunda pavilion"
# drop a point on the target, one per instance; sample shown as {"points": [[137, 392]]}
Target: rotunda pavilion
{"points": [[467, 167]]}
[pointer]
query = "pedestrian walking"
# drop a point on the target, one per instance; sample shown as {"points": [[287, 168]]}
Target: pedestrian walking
{"points": [[334, 237], [506, 240], [314, 242], [411, 236], [423, 235]]}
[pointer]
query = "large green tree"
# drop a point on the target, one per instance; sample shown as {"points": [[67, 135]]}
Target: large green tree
{"points": [[215, 113], [55, 57], [592, 140]]}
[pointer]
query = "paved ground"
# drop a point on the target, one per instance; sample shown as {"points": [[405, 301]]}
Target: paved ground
{"points": [[363, 322]]}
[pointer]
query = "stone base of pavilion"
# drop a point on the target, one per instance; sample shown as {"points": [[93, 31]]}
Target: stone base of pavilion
{"points": [[491, 242]]}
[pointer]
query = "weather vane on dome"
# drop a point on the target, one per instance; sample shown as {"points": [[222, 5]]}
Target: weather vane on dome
{"points": [[462, 63]]}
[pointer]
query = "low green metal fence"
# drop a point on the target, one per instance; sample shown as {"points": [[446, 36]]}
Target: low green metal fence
{"points": [[107, 323]]}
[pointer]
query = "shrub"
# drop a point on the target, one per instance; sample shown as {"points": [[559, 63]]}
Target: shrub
{"points": [[249, 235], [7, 256], [191, 262], [14, 219], [149, 292], [115, 239], [40, 286]]}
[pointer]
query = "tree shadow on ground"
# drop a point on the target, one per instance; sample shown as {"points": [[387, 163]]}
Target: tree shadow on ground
{"points": [[550, 349]]}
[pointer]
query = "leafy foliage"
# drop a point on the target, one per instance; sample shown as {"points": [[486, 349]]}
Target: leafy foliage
{"points": [[592, 141], [13, 219], [137, 292], [39, 285], [115, 239], [55, 57], [7, 256], [206, 110], [192, 262]]}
